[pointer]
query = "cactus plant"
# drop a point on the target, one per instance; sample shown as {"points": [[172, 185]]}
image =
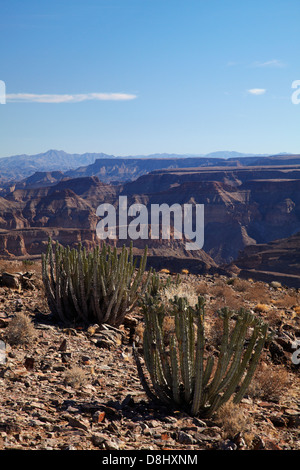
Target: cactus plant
{"points": [[101, 286], [182, 372]]}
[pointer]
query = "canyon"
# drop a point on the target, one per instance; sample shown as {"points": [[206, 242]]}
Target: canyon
{"points": [[251, 207]]}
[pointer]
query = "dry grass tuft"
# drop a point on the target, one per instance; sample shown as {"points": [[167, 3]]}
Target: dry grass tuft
{"points": [[262, 308], [269, 382], [75, 377], [233, 420], [202, 288], [241, 285], [258, 293], [180, 291], [287, 301], [20, 330]]}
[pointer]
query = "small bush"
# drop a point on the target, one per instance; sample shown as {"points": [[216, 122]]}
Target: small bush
{"points": [[241, 285], [75, 377], [262, 308], [287, 301], [27, 262], [180, 291], [20, 330], [229, 300], [202, 288], [233, 420], [258, 293], [269, 383]]}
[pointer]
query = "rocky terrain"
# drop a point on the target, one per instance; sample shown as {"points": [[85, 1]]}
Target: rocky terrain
{"points": [[78, 389]]}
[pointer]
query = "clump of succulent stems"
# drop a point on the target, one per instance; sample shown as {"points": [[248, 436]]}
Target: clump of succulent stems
{"points": [[181, 371], [100, 286]]}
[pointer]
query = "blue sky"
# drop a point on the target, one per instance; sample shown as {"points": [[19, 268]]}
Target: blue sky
{"points": [[133, 77]]}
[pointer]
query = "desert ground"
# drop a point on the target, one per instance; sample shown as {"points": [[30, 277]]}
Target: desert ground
{"points": [[74, 388]]}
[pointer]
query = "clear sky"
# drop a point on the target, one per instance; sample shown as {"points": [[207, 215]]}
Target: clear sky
{"points": [[132, 77]]}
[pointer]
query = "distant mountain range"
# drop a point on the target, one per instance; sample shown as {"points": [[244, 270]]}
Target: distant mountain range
{"points": [[110, 167]]}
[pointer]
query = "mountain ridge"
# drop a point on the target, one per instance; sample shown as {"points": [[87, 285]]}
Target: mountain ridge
{"points": [[17, 167]]}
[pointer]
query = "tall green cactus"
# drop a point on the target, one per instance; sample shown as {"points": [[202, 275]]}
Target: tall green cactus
{"points": [[181, 370], [101, 286]]}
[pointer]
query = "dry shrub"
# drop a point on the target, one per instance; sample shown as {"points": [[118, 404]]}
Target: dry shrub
{"points": [[139, 332], [225, 296], [258, 293], [221, 291], [233, 419], [169, 325], [16, 266], [180, 291], [262, 308], [75, 377], [217, 291], [201, 288], [229, 301], [287, 301], [184, 271], [20, 330], [274, 317], [241, 285], [214, 332], [215, 329], [269, 382]]}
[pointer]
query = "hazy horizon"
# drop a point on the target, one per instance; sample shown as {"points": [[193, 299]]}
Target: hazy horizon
{"points": [[153, 155]]}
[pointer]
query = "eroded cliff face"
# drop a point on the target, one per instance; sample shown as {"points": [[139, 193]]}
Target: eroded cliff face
{"points": [[162, 180], [68, 214], [34, 241], [243, 207], [278, 260]]}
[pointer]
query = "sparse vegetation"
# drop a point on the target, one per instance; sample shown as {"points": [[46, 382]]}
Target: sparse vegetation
{"points": [[75, 377], [202, 288], [20, 330], [262, 308], [27, 263], [181, 372], [74, 361], [240, 285], [97, 287], [234, 420], [258, 292], [269, 382], [164, 271]]}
